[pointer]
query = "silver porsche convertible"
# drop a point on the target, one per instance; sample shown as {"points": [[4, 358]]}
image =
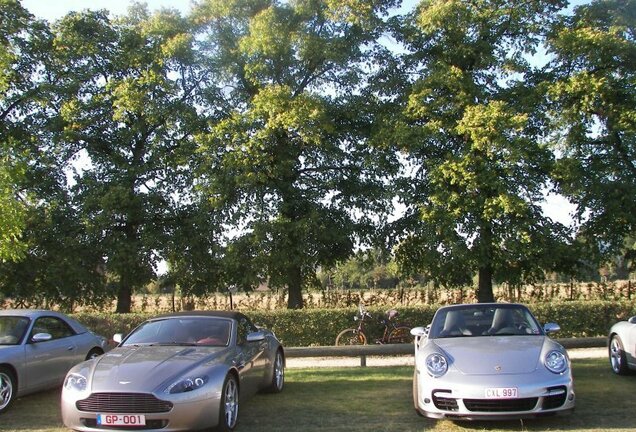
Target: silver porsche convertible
{"points": [[622, 346], [175, 372], [37, 348], [489, 361]]}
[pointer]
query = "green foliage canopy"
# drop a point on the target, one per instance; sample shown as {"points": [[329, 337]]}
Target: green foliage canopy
{"points": [[290, 155], [128, 93], [480, 169], [593, 94]]}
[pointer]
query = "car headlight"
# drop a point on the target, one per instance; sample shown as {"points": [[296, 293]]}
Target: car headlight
{"points": [[436, 365], [187, 384], [556, 362], [75, 382]]}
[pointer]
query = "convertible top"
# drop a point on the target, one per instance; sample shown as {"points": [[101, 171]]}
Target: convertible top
{"points": [[220, 314]]}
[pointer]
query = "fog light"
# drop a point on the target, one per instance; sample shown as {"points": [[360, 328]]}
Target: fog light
{"points": [[427, 400]]}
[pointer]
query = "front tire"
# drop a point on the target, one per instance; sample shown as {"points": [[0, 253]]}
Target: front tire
{"points": [[416, 395], [617, 357], [7, 388], [351, 337], [278, 374], [229, 406]]}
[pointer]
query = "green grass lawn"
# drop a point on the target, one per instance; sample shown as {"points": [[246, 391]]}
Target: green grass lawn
{"points": [[378, 399]]}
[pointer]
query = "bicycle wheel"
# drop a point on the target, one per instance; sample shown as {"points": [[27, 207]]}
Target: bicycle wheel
{"points": [[400, 334], [351, 337]]}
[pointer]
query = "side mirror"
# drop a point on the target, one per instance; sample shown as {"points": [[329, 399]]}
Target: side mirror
{"points": [[41, 337], [118, 337], [551, 328], [419, 331], [256, 336]]}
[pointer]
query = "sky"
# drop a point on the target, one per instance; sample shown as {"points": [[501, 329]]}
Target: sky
{"points": [[555, 207], [52, 10]]}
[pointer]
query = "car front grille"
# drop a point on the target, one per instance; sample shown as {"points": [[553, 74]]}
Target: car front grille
{"points": [[500, 405], [123, 403]]}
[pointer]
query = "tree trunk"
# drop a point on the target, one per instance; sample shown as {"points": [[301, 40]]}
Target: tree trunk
{"points": [[484, 285], [294, 288], [485, 245], [124, 298]]}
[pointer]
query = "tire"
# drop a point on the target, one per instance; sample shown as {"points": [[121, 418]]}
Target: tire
{"points": [[8, 388], [95, 352], [351, 337], [617, 357], [415, 395], [229, 405], [278, 374], [400, 335]]}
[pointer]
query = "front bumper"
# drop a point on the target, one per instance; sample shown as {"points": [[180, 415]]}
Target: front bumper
{"points": [[182, 413], [463, 397]]}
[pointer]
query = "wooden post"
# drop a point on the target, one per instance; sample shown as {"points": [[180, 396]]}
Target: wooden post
{"points": [[363, 361]]}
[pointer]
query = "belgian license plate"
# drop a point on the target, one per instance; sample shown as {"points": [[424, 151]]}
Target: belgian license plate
{"points": [[121, 419], [501, 393]]}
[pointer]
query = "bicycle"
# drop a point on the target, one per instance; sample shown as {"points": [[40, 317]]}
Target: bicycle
{"points": [[394, 332]]}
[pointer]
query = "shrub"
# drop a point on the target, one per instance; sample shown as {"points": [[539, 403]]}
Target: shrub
{"points": [[319, 327]]}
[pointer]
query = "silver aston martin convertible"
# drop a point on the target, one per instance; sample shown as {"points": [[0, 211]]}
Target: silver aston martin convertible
{"points": [[489, 361], [622, 346], [175, 372]]}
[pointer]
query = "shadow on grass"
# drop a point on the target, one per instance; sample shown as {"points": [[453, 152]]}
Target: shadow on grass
{"points": [[36, 412], [379, 399], [376, 400]]}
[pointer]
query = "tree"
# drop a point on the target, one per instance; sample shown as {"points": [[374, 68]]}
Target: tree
{"points": [[294, 171], [21, 59], [471, 131], [128, 108], [593, 95], [12, 210], [35, 204]]}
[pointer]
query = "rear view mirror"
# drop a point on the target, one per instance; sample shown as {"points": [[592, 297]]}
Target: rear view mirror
{"points": [[551, 328], [419, 331], [41, 337]]}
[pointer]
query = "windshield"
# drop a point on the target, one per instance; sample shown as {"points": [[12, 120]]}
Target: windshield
{"points": [[484, 320], [207, 331], [12, 329]]}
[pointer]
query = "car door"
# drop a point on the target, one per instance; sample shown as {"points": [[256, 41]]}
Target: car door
{"points": [[250, 357], [48, 361]]}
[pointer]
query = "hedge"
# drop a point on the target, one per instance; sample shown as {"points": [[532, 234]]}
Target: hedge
{"points": [[319, 327]]}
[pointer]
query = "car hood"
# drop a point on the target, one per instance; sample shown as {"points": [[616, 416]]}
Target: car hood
{"points": [[145, 368], [484, 355]]}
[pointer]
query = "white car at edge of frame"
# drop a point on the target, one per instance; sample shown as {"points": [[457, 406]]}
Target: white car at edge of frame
{"points": [[622, 346]]}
